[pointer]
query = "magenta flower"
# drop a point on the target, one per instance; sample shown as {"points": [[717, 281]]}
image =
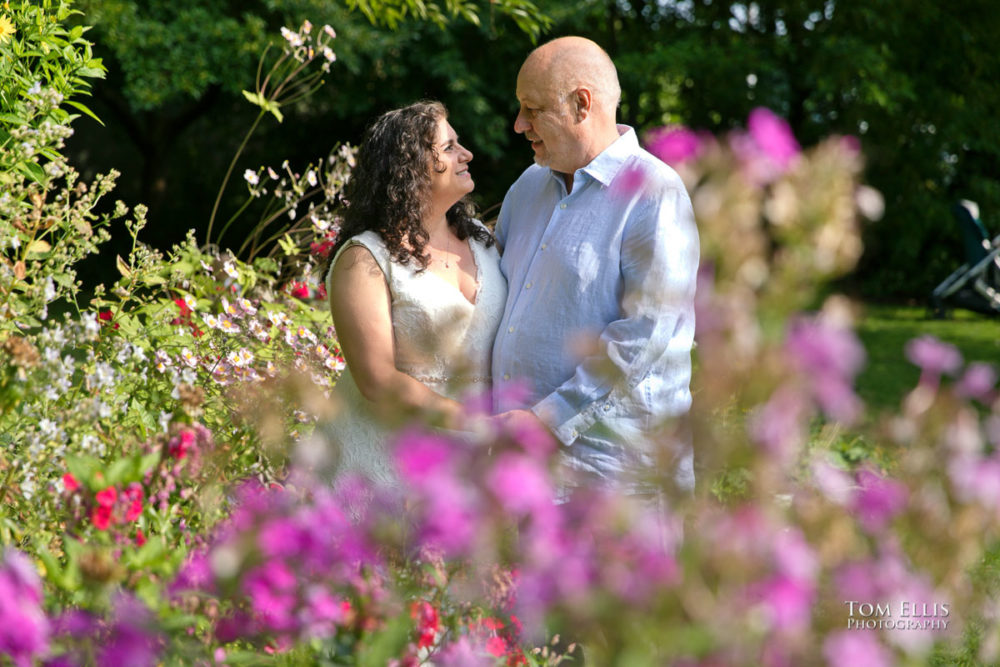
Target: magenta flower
{"points": [[131, 641], [828, 357], [933, 357], [521, 485], [852, 648], [978, 382], [419, 456], [773, 136], [779, 426], [272, 590], [24, 628], [674, 145], [786, 601], [878, 500]]}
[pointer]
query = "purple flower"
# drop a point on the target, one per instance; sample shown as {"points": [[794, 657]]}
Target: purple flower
{"points": [[521, 485], [271, 589], [829, 357], [977, 382], [787, 601], [674, 145], [24, 628], [131, 641], [932, 356], [420, 456], [878, 500], [773, 136], [779, 426], [851, 648]]}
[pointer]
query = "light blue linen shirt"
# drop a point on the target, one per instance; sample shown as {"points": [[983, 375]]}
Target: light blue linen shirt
{"points": [[599, 319]]}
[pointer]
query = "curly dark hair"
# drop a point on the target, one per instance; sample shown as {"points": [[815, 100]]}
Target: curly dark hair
{"points": [[390, 184]]}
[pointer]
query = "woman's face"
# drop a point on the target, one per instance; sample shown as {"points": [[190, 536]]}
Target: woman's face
{"points": [[450, 177]]}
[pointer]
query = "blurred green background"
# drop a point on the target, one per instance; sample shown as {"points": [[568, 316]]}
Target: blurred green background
{"points": [[916, 81]]}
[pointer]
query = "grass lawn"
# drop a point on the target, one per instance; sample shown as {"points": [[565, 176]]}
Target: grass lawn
{"points": [[884, 331]]}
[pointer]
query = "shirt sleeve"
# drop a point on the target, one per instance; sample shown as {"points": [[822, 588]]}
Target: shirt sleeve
{"points": [[659, 263]]}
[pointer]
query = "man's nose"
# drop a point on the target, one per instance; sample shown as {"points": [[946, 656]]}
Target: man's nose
{"points": [[520, 124]]}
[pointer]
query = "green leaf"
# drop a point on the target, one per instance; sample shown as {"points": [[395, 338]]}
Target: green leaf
{"points": [[84, 109]]}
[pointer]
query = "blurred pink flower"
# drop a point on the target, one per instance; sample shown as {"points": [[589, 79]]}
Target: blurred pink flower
{"points": [[828, 357], [786, 601], [779, 425], [521, 485], [24, 627], [773, 136], [933, 356], [978, 382], [674, 145], [629, 181], [420, 455], [854, 648], [878, 500]]}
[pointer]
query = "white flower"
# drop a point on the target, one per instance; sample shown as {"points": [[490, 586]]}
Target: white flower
{"points": [[164, 420], [187, 356], [230, 270], [190, 301], [277, 317], [50, 289], [250, 176], [211, 320], [329, 54], [311, 178], [329, 31], [302, 332], [229, 308], [307, 27], [226, 326], [292, 38], [247, 306], [272, 173]]}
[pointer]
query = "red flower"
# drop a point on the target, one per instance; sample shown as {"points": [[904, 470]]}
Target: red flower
{"points": [[180, 445], [182, 305], [70, 483], [101, 517], [107, 497], [496, 646], [299, 290], [134, 510], [428, 622], [140, 539], [105, 316]]}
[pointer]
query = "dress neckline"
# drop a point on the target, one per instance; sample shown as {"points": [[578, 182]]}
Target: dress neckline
{"points": [[479, 276]]}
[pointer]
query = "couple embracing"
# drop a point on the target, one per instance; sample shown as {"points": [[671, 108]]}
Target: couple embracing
{"points": [[584, 296]]}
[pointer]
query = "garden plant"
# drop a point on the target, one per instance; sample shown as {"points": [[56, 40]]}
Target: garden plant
{"points": [[163, 468]]}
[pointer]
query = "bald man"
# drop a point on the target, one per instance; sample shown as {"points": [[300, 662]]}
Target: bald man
{"points": [[600, 251]]}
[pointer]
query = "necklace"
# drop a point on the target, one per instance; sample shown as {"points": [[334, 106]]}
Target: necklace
{"points": [[447, 255]]}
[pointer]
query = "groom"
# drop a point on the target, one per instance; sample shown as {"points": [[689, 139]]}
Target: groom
{"points": [[600, 251]]}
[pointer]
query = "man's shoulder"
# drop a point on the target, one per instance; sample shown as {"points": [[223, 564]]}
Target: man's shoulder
{"points": [[533, 177], [656, 173]]}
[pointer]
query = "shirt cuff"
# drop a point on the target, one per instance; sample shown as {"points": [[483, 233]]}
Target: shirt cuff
{"points": [[565, 421]]}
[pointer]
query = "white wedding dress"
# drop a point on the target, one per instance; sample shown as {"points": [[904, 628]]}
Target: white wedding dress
{"points": [[441, 339]]}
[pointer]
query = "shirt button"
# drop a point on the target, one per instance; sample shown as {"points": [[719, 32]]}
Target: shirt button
{"points": [[544, 246], [607, 406], [562, 205], [506, 376], [510, 329], [528, 286]]}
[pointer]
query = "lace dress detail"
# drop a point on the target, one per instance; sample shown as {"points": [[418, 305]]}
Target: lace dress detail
{"points": [[441, 338]]}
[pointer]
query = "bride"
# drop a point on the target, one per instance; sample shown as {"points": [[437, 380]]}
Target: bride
{"points": [[415, 287]]}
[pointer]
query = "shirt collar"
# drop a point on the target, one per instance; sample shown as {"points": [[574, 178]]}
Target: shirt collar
{"points": [[605, 166]]}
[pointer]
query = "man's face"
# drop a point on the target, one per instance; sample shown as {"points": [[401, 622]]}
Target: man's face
{"points": [[546, 119]]}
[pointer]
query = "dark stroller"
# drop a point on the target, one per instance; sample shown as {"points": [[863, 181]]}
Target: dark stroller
{"points": [[976, 284]]}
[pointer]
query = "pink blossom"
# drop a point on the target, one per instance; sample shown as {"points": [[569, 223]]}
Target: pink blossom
{"points": [[787, 602], [271, 588], [878, 500], [521, 485], [853, 648], [418, 456], [70, 483], [773, 136], [674, 145], [978, 382], [780, 424], [629, 181], [829, 357], [933, 356], [24, 628]]}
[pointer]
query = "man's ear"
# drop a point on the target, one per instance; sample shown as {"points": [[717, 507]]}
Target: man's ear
{"points": [[583, 101]]}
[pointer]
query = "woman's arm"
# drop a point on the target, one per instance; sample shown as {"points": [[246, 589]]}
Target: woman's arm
{"points": [[362, 316]]}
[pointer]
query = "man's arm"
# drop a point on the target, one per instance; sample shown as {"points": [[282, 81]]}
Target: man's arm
{"points": [[659, 262]]}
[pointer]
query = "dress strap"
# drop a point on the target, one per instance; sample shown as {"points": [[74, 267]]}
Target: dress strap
{"points": [[375, 245]]}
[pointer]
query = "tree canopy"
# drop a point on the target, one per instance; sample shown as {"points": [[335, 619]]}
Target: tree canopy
{"points": [[916, 82]]}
